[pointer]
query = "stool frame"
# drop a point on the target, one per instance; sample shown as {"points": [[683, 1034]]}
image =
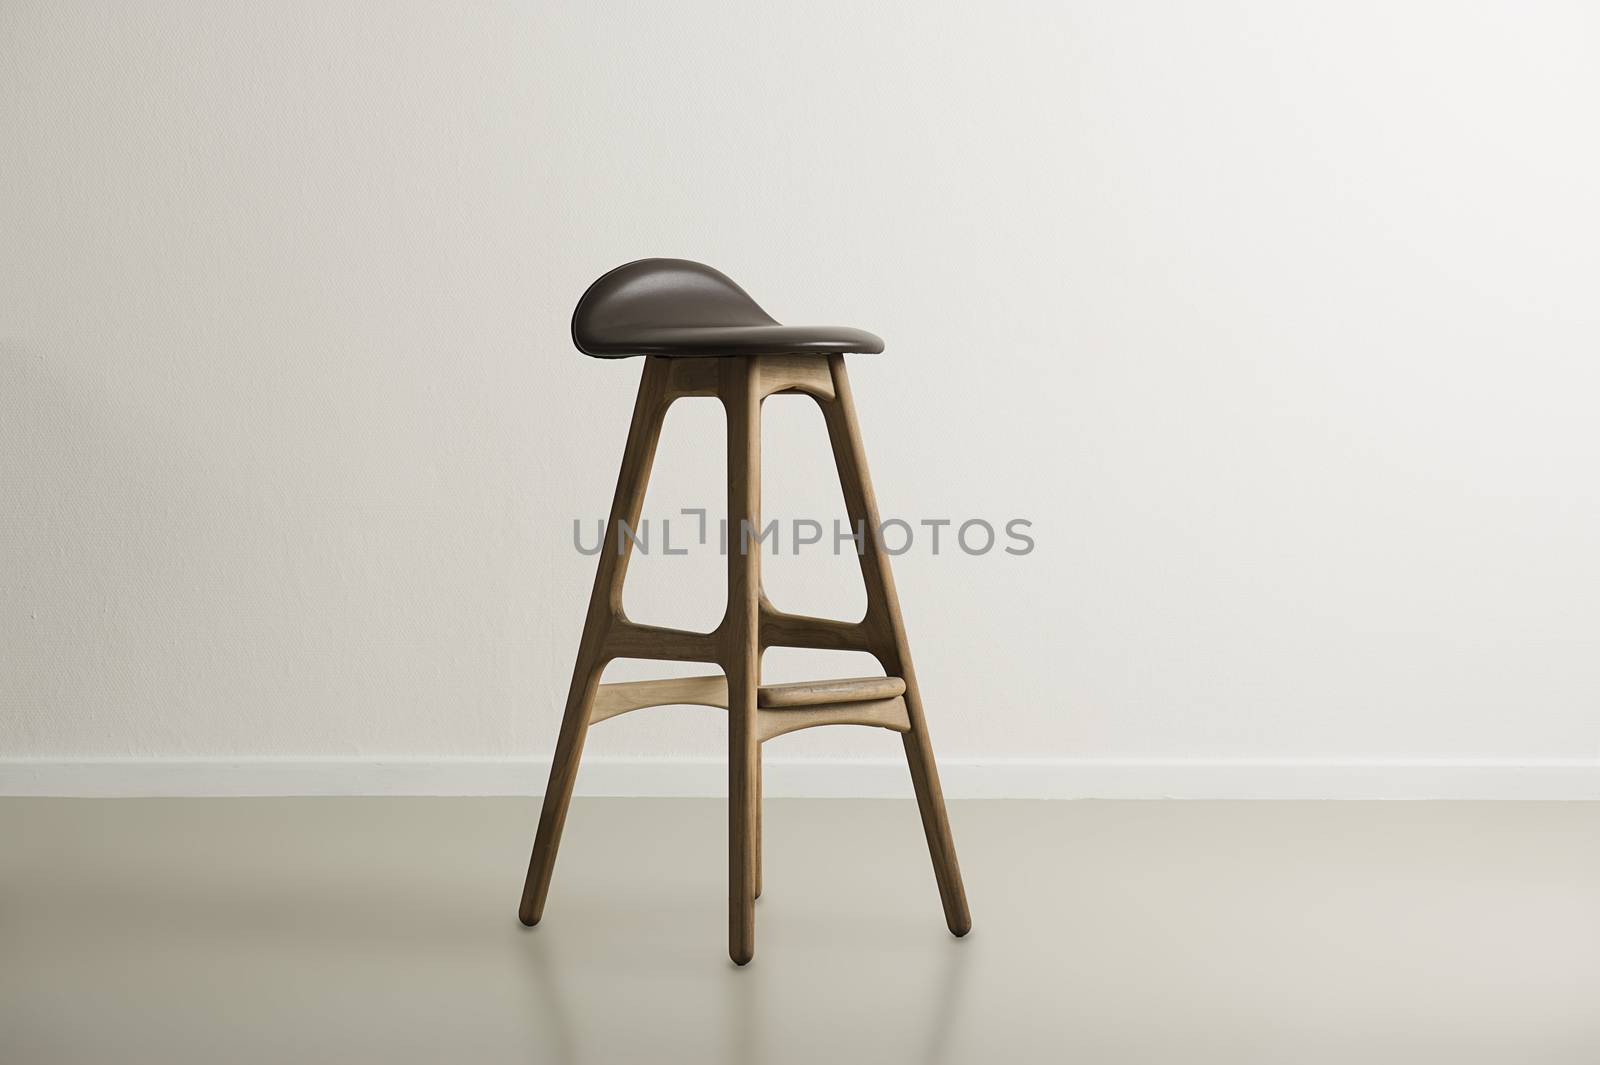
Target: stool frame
{"points": [[750, 625]]}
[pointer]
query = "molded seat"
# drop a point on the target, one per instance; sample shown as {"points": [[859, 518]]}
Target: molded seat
{"points": [[687, 309]]}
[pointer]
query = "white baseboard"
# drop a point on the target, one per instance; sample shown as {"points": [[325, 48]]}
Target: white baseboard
{"points": [[1550, 779]]}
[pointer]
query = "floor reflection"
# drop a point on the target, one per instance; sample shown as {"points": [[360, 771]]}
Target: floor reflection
{"points": [[604, 991]]}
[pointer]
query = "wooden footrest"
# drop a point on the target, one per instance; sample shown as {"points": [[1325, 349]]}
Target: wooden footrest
{"points": [[826, 692], [780, 708]]}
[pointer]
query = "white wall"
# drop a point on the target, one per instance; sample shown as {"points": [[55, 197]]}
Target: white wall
{"points": [[1279, 320]]}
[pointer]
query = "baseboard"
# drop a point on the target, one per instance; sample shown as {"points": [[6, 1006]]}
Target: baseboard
{"points": [[992, 779]]}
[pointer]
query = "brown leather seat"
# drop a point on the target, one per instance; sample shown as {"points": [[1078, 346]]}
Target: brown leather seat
{"points": [[683, 308]]}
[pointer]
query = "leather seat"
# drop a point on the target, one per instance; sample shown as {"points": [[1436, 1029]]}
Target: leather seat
{"points": [[687, 309]]}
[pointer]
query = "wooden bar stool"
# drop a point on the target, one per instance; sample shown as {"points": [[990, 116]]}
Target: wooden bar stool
{"points": [[701, 335]]}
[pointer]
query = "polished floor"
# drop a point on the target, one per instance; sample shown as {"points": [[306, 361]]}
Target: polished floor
{"points": [[384, 930]]}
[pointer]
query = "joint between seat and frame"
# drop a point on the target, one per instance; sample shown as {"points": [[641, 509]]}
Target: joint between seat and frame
{"points": [[775, 375]]}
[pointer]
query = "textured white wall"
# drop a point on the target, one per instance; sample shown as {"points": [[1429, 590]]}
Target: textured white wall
{"points": [[1279, 320]]}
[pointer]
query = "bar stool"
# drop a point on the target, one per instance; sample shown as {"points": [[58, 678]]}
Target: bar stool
{"points": [[702, 335]]}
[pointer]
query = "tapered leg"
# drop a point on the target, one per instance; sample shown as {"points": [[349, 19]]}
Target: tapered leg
{"points": [[760, 814], [558, 791], [605, 604], [744, 755], [930, 803], [890, 645], [741, 649]]}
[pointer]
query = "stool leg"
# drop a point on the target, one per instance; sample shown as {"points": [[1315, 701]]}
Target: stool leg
{"points": [[741, 652], [891, 646], [760, 801], [558, 791], [605, 603], [930, 802]]}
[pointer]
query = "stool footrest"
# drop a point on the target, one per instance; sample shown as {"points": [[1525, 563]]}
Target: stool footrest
{"points": [[873, 701], [822, 692], [881, 713]]}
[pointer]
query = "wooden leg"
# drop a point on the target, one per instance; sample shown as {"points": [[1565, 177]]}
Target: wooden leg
{"points": [[930, 802], [760, 813], [558, 792], [890, 644], [744, 753], [741, 652], [605, 606]]}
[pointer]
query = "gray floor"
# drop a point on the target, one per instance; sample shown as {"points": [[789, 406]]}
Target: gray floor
{"points": [[357, 930]]}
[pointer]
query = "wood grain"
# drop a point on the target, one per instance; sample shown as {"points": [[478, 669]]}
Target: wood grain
{"points": [[822, 692], [741, 648], [879, 713]]}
